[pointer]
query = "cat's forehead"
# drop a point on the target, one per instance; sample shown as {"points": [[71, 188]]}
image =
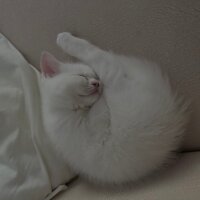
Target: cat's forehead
{"points": [[78, 69]]}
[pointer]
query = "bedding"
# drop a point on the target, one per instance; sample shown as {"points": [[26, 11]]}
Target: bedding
{"points": [[29, 167]]}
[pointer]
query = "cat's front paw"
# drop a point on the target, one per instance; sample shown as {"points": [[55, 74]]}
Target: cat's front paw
{"points": [[62, 38]]}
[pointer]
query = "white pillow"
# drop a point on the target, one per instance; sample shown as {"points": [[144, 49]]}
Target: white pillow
{"points": [[29, 168]]}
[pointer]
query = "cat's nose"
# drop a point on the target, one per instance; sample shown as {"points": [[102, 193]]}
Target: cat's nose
{"points": [[95, 83]]}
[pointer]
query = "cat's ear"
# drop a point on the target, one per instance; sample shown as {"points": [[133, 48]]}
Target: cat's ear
{"points": [[49, 65]]}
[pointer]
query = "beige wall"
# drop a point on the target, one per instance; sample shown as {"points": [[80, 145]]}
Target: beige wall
{"points": [[165, 31]]}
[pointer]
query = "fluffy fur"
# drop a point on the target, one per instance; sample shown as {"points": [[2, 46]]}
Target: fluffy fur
{"points": [[124, 130]]}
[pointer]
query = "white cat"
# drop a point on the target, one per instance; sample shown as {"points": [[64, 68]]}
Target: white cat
{"points": [[114, 119]]}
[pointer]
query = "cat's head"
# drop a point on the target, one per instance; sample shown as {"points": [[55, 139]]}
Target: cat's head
{"points": [[77, 85]]}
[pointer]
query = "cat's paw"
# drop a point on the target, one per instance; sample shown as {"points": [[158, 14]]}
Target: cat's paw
{"points": [[62, 38]]}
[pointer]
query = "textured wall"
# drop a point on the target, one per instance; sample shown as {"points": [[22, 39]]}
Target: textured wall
{"points": [[165, 31]]}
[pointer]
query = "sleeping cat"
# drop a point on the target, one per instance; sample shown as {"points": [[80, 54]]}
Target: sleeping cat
{"points": [[114, 119]]}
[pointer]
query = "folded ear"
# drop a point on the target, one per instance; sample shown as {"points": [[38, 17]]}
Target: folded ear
{"points": [[49, 65]]}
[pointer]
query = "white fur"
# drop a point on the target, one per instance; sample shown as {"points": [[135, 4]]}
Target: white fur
{"points": [[121, 135]]}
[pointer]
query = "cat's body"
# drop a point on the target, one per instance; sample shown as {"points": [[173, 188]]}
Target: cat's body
{"points": [[121, 133]]}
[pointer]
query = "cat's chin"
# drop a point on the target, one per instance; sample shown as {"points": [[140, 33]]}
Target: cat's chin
{"points": [[90, 94], [95, 92]]}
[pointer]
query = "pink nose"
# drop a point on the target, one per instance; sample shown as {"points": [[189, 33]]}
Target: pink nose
{"points": [[95, 83]]}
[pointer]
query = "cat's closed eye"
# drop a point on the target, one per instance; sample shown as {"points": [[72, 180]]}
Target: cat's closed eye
{"points": [[84, 76]]}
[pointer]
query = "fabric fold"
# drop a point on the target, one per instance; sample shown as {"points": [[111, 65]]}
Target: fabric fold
{"points": [[29, 166]]}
